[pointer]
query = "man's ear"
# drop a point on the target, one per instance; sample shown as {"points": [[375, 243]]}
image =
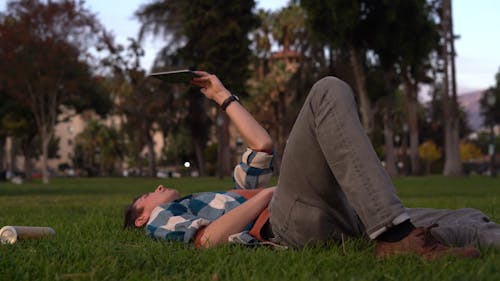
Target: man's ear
{"points": [[141, 220]]}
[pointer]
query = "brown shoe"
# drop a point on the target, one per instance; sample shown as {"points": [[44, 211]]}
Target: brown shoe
{"points": [[420, 242]]}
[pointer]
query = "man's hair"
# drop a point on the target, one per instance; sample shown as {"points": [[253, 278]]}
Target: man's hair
{"points": [[131, 214]]}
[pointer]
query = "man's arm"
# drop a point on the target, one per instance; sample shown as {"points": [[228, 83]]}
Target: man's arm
{"points": [[254, 134], [257, 139], [234, 221]]}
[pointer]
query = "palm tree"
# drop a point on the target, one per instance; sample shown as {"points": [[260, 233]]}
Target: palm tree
{"points": [[210, 35], [453, 163]]}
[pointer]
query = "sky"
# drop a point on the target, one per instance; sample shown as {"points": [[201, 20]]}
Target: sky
{"points": [[476, 22]]}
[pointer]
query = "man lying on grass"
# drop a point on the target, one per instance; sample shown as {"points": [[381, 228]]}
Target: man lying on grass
{"points": [[331, 185]]}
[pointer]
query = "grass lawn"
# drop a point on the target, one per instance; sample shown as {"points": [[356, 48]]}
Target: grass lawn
{"points": [[90, 244]]}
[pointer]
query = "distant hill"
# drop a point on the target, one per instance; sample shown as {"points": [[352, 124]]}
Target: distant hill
{"points": [[470, 103]]}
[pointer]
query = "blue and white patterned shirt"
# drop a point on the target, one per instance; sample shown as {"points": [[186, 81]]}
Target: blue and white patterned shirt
{"points": [[179, 220]]}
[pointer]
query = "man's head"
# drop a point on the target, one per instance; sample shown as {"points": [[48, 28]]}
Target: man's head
{"points": [[137, 214]]}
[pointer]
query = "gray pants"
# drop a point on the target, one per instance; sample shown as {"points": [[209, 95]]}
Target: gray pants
{"points": [[331, 181], [459, 227]]}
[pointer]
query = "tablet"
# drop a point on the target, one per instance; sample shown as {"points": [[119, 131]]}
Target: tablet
{"points": [[176, 76]]}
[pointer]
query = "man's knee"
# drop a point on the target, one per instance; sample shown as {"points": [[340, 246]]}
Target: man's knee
{"points": [[332, 88]]}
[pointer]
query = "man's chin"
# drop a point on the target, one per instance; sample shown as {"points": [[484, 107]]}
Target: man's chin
{"points": [[177, 195], [173, 195]]}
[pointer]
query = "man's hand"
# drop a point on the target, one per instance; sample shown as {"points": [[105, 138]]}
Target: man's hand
{"points": [[211, 86]]}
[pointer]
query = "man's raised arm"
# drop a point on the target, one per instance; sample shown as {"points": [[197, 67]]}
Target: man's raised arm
{"points": [[254, 134]]}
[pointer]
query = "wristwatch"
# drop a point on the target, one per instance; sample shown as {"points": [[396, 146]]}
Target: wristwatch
{"points": [[228, 101]]}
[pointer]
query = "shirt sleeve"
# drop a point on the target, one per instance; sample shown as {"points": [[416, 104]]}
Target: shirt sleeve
{"points": [[254, 170], [174, 224]]}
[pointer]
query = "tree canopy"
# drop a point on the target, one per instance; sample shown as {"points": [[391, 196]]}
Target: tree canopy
{"points": [[52, 63], [44, 49], [206, 35]]}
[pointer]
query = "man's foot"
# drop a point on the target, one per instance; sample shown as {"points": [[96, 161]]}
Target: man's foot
{"points": [[420, 242]]}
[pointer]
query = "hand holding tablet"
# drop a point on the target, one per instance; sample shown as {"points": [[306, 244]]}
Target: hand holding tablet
{"points": [[176, 76]]}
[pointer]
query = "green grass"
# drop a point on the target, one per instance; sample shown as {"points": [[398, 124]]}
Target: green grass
{"points": [[90, 245]]}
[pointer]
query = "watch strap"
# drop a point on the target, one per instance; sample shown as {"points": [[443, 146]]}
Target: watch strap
{"points": [[228, 101]]}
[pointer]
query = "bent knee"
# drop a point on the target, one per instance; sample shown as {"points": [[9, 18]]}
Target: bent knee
{"points": [[332, 88]]}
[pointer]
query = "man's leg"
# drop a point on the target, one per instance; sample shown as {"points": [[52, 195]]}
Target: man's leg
{"points": [[330, 174], [460, 227]]}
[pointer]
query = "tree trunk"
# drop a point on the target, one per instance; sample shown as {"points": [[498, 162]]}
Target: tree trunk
{"points": [[45, 156], [2, 153], [13, 154], [27, 147], [281, 132], [331, 67], [226, 149], [404, 153], [28, 166], [364, 101], [151, 155], [412, 102], [138, 161], [200, 158], [223, 149], [453, 164], [390, 160]]}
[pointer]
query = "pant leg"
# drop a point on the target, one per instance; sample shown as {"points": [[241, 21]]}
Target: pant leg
{"points": [[331, 181], [459, 227]]}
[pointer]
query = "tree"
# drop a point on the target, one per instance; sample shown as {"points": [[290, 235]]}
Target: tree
{"points": [[381, 34], [389, 149], [98, 149], [215, 37], [342, 24], [18, 122], [391, 108], [44, 51], [429, 152], [401, 51], [491, 113], [490, 109], [431, 125], [469, 151], [484, 141], [274, 74], [146, 104], [453, 164], [3, 131]]}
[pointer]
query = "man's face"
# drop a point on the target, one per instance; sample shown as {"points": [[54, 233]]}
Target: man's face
{"points": [[148, 201]]}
